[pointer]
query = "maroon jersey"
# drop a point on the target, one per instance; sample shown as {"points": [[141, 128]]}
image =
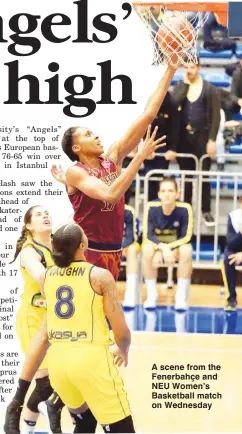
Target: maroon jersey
{"points": [[102, 222]]}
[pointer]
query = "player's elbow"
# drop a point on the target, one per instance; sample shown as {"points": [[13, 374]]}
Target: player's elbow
{"points": [[112, 197]]}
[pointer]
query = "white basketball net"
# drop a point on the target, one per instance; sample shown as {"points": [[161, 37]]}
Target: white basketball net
{"points": [[187, 51]]}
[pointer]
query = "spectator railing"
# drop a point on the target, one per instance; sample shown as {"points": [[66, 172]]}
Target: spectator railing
{"points": [[218, 177], [226, 175], [197, 177], [201, 177], [140, 179]]}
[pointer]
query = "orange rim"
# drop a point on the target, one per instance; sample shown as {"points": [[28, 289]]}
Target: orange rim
{"points": [[220, 9]]}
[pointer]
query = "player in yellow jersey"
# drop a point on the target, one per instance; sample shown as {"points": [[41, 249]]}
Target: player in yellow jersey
{"points": [[34, 247], [82, 369]]}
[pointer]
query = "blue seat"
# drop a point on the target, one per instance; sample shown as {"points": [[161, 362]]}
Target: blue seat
{"points": [[213, 184], [223, 54], [231, 185], [239, 51], [235, 149], [237, 116], [206, 251], [218, 80]]}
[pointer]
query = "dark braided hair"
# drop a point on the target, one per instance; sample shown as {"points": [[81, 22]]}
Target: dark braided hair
{"points": [[65, 243], [67, 143], [24, 232]]}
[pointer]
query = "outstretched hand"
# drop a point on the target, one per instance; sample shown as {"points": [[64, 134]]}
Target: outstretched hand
{"points": [[58, 173], [150, 145]]}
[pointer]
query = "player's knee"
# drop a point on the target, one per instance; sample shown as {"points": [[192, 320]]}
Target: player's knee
{"points": [[84, 422], [42, 392], [185, 253], [125, 426], [147, 251]]}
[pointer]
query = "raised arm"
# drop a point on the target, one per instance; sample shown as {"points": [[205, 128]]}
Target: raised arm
{"points": [[125, 145], [104, 284], [97, 189], [31, 261]]}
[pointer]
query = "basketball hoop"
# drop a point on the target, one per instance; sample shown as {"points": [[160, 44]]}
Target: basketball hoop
{"points": [[174, 27]]}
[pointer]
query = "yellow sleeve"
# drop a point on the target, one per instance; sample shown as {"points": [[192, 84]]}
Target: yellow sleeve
{"points": [[187, 231]]}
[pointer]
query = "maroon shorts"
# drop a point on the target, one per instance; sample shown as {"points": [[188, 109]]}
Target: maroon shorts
{"points": [[109, 260]]}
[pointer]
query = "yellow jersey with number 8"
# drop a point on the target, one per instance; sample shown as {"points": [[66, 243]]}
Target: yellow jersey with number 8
{"points": [[74, 310]]}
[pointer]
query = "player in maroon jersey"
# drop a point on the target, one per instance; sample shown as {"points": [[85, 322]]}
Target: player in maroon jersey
{"points": [[95, 187], [103, 221]]}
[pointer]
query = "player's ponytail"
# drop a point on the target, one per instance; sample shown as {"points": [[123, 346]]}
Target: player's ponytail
{"points": [[24, 233], [65, 243]]}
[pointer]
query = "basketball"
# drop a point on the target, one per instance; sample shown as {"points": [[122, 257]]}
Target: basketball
{"points": [[175, 35]]}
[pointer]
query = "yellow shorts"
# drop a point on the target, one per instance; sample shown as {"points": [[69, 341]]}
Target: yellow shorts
{"points": [[86, 373], [28, 322]]}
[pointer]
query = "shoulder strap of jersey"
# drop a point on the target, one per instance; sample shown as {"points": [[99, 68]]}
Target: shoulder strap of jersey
{"points": [[40, 253]]}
